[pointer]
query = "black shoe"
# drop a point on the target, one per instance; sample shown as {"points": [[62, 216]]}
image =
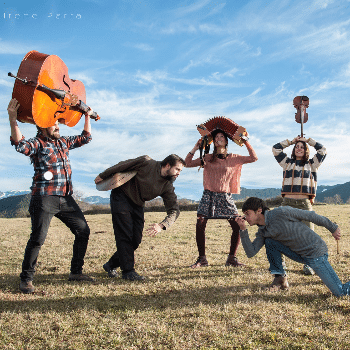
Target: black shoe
{"points": [[26, 287], [111, 272], [132, 276]]}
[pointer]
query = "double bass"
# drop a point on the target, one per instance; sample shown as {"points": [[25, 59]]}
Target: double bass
{"points": [[46, 94]]}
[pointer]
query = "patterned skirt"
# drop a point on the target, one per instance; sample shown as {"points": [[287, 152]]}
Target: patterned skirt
{"points": [[214, 205]]}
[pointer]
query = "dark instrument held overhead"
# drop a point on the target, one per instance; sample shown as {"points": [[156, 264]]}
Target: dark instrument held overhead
{"points": [[46, 93], [234, 132], [301, 103]]}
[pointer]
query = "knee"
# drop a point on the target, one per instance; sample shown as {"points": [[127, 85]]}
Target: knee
{"points": [[84, 231], [36, 242]]}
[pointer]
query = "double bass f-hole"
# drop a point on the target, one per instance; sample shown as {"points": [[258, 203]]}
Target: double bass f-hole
{"points": [[65, 83]]}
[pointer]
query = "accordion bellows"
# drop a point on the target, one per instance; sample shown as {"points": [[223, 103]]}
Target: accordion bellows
{"points": [[234, 132]]}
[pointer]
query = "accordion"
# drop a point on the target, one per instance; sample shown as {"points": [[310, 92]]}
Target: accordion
{"points": [[234, 132]]}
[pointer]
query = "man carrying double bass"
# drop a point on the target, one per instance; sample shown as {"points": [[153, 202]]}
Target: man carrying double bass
{"points": [[51, 193]]}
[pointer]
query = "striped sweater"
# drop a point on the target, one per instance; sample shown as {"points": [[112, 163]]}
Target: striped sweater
{"points": [[299, 178], [283, 224]]}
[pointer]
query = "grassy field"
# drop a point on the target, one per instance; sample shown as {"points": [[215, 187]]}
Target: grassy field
{"points": [[216, 307]]}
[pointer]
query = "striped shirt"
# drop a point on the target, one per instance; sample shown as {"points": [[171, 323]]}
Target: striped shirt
{"points": [[284, 225], [299, 178], [50, 158]]}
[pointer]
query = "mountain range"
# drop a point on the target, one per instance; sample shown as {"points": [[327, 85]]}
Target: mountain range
{"points": [[15, 203]]}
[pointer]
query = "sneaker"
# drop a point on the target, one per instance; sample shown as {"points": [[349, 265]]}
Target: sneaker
{"points": [[132, 276], [111, 272], [201, 262], [26, 287], [308, 270], [280, 282], [233, 261], [80, 277]]}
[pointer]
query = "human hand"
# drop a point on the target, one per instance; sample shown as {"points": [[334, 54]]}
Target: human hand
{"points": [[299, 138], [336, 234], [197, 145], [153, 230], [89, 113], [98, 179], [12, 110], [241, 222]]}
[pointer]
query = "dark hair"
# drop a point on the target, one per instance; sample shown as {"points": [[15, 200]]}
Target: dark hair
{"points": [[306, 153], [213, 134], [172, 160], [254, 203], [38, 131]]}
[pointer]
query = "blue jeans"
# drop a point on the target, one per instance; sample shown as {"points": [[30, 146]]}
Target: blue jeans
{"points": [[320, 265]]}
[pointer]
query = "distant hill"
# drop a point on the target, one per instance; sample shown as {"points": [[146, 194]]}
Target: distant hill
{"points": [[342, 190], [260, 193], [96, 200], [15, 203], [12, 193], [15, 206]]}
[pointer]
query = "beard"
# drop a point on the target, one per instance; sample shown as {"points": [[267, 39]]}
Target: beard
{"points": [[170, 177], [54, 135]]}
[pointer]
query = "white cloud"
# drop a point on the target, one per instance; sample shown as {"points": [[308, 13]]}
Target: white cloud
{"points": [[13, 48]]}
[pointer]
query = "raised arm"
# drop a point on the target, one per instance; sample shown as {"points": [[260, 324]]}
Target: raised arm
{"points": [[87, 125], [320, 155], [253, 156], [188, 160], [12, 111]]}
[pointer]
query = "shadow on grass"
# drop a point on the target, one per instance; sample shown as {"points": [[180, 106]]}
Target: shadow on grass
{"points": [[125, 296]]}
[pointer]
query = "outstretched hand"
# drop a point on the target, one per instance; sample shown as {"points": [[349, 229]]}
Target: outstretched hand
{"points": [[153, 230]]}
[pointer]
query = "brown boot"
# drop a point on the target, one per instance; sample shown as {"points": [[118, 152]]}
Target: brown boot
{"points": [[201, 262], [26, 287], [279, 282], [233, 261]]}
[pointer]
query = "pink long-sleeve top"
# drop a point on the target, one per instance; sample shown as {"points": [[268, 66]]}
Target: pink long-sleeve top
{"points": [[223, 175]]}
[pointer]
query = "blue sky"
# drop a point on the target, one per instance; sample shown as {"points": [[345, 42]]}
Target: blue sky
{"points": [[153, 70]]}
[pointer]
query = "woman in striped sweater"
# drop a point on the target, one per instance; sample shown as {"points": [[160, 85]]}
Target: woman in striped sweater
{"points": [[221, 179], [299, 174]]}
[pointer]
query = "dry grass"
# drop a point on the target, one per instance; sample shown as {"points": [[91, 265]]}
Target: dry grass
{"points": [[177, 307]]}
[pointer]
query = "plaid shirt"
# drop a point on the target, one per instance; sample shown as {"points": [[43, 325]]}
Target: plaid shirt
{"points": [[50, 158]]}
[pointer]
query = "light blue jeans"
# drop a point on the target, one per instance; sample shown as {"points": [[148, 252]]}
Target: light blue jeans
{"points": [[320, 265]]}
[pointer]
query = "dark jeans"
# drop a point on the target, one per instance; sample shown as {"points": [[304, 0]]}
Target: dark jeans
{"points": [[42, 209], [128, 222]]}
